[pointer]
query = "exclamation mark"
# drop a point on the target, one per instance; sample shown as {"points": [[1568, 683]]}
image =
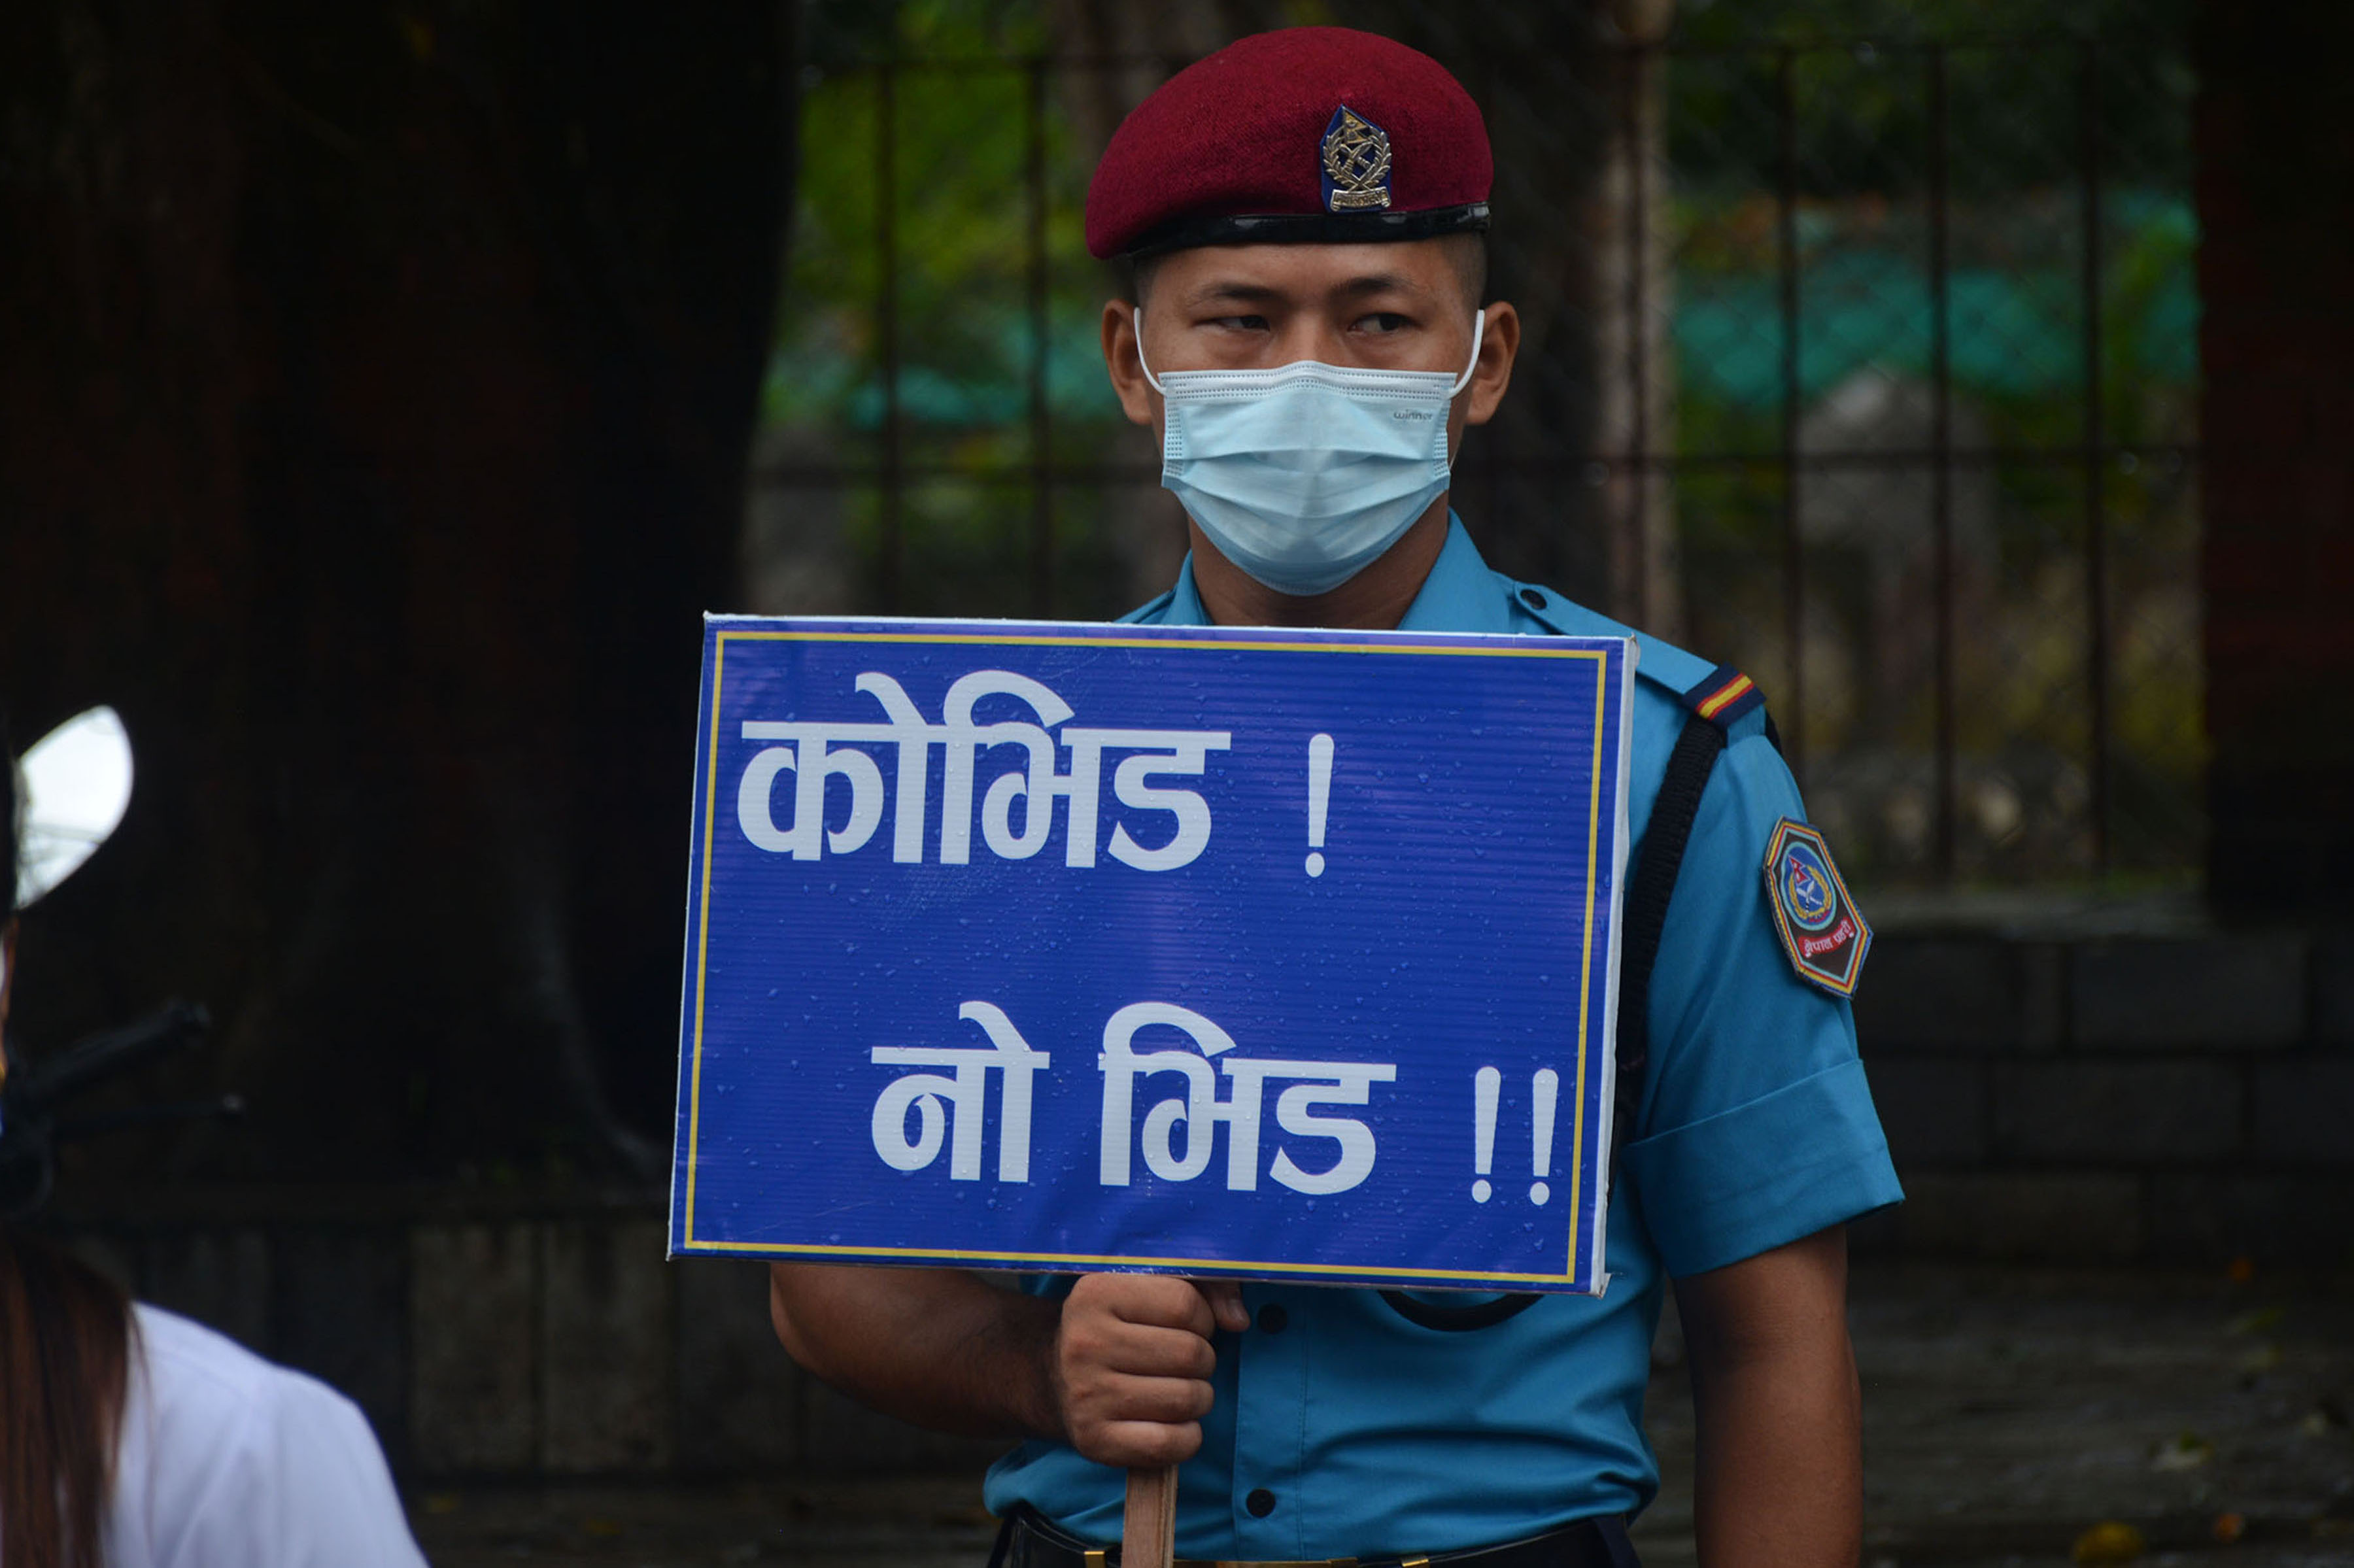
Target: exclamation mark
{"points": [[1486, 1083], [1547, 1086], [1320, 790]]}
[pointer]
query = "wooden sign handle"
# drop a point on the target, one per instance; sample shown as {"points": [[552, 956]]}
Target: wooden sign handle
{"points": [[1149, 1528]]}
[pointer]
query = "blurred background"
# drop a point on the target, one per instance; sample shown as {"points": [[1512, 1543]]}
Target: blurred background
{"points": [[385, 390]]}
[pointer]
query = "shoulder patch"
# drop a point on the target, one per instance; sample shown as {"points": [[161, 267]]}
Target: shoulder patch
{"points": [[1821, 931], [1724, 696]]}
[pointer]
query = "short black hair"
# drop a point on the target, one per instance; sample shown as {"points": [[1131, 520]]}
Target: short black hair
{"points": [[1467, 251]]}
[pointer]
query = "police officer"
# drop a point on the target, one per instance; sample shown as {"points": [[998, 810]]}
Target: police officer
{"points": [[1305, 210]]}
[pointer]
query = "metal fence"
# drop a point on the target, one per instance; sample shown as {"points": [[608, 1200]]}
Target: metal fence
{"points": [[1868, 365]]}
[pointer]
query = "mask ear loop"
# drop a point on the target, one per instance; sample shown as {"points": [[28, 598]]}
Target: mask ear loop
{"points": [[1150, 379], [1479, 333]]}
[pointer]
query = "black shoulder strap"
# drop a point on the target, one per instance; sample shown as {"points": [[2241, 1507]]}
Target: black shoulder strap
{"points": [[1715, 703], [1645, 914]]}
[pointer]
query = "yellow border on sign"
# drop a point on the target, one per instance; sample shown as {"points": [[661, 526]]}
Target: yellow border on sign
{"points": [[1202, 1265], [1585, 965], [703, 945], [1032, 641], [702, 935]]}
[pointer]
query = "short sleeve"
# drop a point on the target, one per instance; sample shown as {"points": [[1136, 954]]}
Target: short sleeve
{"points": [[1755, 1126], [299, 1483], [333, 1493]]}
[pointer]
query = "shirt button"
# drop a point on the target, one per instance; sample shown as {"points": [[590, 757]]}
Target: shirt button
{"points": [[1261, 1503], [1273, 1319], [1532, 598]]}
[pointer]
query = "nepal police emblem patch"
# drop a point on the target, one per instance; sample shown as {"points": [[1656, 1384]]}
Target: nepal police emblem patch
{"points": [[1356, 164], [1820, 930]]}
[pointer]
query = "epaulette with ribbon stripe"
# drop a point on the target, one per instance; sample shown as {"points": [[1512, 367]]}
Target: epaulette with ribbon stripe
{"points": [[1724, 696]]}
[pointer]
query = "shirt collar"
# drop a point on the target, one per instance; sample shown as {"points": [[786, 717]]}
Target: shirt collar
{"points": [[1185, 599], [1459, 594]]}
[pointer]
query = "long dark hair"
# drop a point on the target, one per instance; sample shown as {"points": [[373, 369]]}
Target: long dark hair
{"points": [[65, 1357]]}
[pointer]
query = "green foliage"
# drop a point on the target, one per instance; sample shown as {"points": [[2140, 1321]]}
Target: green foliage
{"points": [[2034, 95], [964, 243]]}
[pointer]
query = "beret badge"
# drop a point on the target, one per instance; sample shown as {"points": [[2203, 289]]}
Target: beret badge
{"points": [[1356, 164]]}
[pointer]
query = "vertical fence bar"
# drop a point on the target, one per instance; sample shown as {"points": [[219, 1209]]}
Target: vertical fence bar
{"points": [[1487, 440], [886, 318], [1638, 370], [2096, 543], [1941, 444], [1793, 580], [1041, 493]]}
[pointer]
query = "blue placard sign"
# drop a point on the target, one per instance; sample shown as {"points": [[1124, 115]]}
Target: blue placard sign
{"points": [[1198, 950]]}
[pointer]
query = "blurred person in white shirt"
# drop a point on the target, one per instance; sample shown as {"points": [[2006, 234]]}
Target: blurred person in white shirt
{"points": [[130, 1437]]}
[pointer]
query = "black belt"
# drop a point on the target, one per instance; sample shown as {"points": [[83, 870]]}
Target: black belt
{"points": [[1028, 1541]]}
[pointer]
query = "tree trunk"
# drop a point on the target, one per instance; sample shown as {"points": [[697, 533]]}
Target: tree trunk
{"points": [[374, 390], [2275, 184]]}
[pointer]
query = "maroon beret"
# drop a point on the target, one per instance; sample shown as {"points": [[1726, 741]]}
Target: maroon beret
{"points": [[1309, 135]]}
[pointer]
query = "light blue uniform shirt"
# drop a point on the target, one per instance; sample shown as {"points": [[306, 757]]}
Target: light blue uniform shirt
{"points": [[1374, 1437]]}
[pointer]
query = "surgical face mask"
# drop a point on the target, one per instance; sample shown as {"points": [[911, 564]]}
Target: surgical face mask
{"points": [[1302, 475]]}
